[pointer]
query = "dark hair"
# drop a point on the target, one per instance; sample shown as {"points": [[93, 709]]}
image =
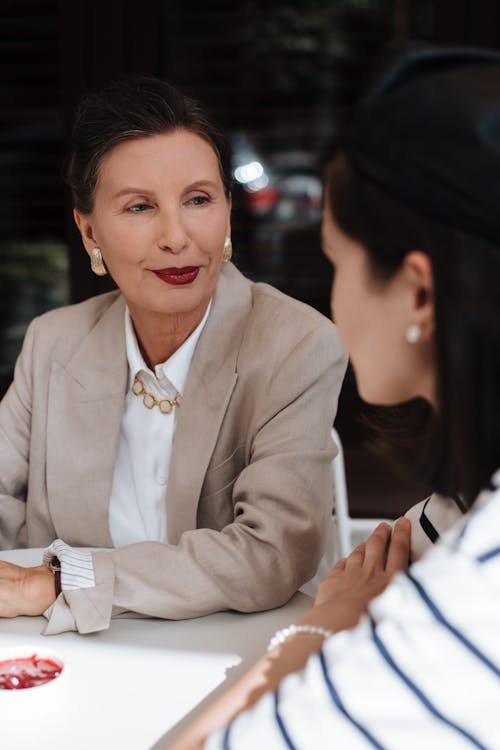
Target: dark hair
{"points": [[131, 108], [462, 437]]}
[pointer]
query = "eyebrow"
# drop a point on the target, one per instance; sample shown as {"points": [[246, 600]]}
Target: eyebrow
{"points": [[140, 191], [201, 183]]}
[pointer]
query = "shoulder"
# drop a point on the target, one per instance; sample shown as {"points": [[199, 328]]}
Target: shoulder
{"points": [[59, 332], [77, 318], [267, 300], [478, 537], [467, 557], [430, 519], [276, 323]]}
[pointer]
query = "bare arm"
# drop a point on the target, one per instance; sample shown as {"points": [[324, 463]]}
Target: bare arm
{"points": [[25, 591], [342, 598]]}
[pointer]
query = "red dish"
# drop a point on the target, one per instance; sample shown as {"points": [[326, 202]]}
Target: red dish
{"points": [[27, 672]]}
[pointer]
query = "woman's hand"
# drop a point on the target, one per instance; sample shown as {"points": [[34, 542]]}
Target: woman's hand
{"points": [[342, 597], [25, 591], [354, 581]]}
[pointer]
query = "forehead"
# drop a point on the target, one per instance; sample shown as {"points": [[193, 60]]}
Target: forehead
{"points": [[178, 156], [340, 246]]}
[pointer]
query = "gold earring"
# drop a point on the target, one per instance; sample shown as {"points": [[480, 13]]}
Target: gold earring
{"points": [[228, 250], [97, 263], [413, 334]]}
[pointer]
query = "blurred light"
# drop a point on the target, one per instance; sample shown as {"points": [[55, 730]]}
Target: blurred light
{"points": [[259, 184], [249, 172], [307, 185]]}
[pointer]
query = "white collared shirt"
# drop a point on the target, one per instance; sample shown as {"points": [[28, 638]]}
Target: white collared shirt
{"points": [[137, 510]]}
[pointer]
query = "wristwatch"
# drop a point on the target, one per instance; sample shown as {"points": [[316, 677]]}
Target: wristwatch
{"points": [[55, 567]]}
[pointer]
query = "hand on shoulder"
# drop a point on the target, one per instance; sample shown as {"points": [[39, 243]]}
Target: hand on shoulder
{"points": [[354, 581]]}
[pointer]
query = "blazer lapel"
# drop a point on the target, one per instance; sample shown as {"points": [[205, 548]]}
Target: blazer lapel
{"points": [[84, 415], [211, 380]]}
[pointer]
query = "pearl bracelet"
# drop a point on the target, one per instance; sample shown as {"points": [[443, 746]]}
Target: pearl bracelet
{"points": [[282, 635]]}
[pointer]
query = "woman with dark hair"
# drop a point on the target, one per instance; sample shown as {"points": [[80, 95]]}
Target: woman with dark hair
{"points": [[412, 229], [166, 421]]}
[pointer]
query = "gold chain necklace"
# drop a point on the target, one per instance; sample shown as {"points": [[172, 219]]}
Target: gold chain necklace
{"points": [[165, 405]]}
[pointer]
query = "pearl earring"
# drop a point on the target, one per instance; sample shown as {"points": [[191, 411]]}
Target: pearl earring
{"points": [[97, 263], [413, 334]]}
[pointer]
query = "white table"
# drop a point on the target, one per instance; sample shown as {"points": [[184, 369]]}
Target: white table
{"points": [[141, 681]]}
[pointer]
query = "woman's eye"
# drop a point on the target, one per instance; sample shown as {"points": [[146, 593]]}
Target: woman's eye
{"points": [[199, 200], [138, 208]]}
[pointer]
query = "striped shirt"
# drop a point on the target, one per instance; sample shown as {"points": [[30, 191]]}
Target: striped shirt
{"points": [[421, 670], [429, 520]]}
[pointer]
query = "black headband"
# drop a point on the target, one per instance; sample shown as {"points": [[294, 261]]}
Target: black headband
{"points": [[428, 132]]}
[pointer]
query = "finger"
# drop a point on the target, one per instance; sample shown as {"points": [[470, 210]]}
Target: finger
{"points": [[340, 564], [376, 547], [339, 567], [399, 547], [356, 558]]}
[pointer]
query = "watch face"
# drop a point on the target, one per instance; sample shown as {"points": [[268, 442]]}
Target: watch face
{"points": [[55, 565]]}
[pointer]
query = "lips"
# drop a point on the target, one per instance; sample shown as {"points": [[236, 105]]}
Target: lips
{"points": [[178, 276]]}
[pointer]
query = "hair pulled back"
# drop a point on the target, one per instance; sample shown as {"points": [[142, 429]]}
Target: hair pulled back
{"points": [[131, 108]]}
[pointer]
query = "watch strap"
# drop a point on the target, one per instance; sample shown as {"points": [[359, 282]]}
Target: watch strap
{"points": [[55, 568]]}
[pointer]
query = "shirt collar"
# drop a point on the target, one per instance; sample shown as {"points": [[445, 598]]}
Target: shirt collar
{"points": [[175, 369]]}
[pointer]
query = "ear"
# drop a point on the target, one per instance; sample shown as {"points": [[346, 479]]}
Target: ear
{"points": [[84, 224], [417, 268]]}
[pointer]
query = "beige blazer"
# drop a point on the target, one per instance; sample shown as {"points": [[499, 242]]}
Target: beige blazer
{"points": [[250, 481]]}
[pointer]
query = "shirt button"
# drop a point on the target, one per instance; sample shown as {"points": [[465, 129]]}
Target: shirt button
{"points": [[162, 481]]}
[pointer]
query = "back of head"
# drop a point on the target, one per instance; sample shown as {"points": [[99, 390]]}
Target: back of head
{"points": [[135, 107], [428, 132], [421, 170]]}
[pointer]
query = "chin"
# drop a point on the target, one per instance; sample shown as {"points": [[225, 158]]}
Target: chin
{"points": [[177, 300], [375, 399], [383, 396]]}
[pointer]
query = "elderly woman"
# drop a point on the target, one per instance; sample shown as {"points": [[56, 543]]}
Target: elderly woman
{"points": [[182, 421], [412, 227]]}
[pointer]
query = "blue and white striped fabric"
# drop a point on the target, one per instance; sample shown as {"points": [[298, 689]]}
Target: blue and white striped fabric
{"points": [[430, 519], [422, 670]]}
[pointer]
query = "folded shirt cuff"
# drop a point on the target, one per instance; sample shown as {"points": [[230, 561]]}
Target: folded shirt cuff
{"points": [[77, 568]]}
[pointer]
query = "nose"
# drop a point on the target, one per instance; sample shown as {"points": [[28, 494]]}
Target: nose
{"points": [[172, 234]]}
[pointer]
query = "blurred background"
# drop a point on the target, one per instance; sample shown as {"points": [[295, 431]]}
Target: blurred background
{"points": [[281, 78]]}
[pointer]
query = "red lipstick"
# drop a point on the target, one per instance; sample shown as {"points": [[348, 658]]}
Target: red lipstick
{"points": [[178, 276]]}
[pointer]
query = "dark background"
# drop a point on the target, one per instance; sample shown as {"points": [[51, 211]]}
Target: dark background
{"points": [[281, 78]]}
